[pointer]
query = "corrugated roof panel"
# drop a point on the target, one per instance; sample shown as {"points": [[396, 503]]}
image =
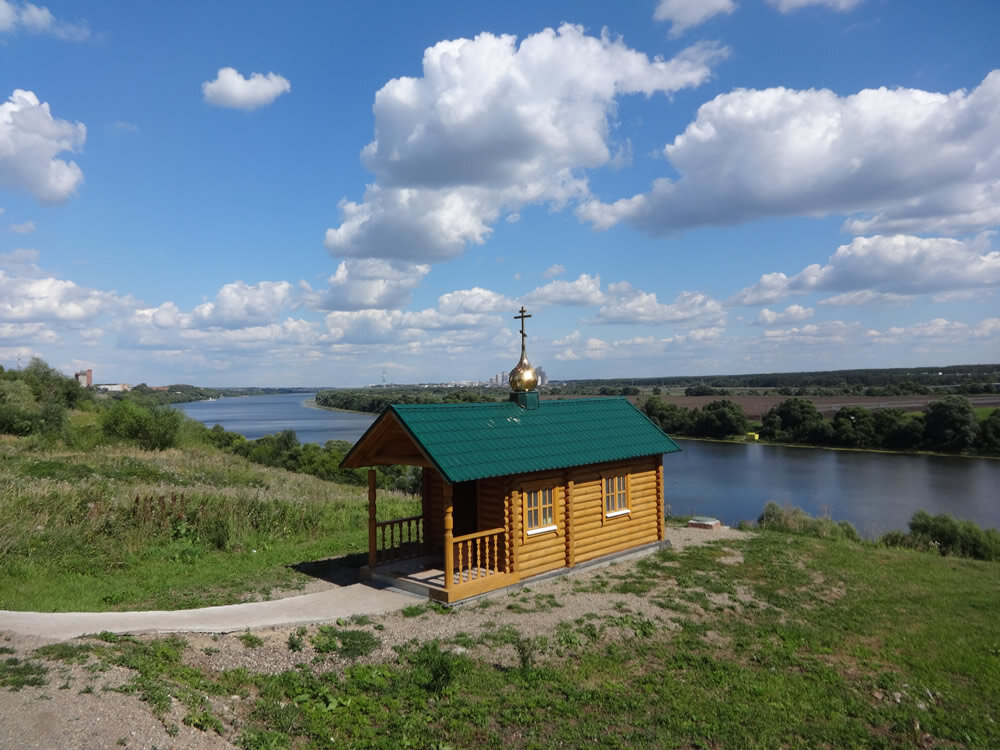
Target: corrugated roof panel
{"points": [[474, 441]]}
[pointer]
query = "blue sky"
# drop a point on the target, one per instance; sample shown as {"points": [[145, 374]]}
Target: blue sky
{"points": [[306, 193]]}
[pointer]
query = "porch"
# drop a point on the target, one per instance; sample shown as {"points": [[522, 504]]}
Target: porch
{"points": [[399, 554]]}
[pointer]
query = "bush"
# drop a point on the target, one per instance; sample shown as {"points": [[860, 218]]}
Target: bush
{"points": [[153, 428], [953, 537], [797, 521], [15, 421]]}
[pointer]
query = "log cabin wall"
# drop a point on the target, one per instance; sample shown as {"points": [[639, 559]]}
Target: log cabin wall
{"points": [[594, 533], [433, 506], [492, 514], [545, 551]]}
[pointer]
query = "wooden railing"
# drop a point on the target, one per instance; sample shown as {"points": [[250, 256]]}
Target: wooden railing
{"points": [[479, 556], [398, 539]]}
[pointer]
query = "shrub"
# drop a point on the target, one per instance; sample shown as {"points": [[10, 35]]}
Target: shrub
{"points": [[153, 428], [797, 521], [15, 421], [947, 536], [953, 537]]}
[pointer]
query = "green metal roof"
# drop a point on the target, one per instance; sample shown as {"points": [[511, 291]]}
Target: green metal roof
{"points": [[475, 441]]}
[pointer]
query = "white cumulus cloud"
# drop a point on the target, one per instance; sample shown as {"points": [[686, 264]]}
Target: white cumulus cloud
{"points": [[585, 290], [492, 126], [39, 20], [362, 283], [636, 306], [791, 314], [49, 299], [231, 89], [30, 140], [896, 160], [683, 14], [887, 265], [239, 304]]}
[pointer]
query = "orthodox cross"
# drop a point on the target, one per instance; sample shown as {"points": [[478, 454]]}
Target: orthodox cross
{"points": [[521, 317]]}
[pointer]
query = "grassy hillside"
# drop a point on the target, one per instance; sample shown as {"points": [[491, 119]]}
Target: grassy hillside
{"points": [[117, 527]]}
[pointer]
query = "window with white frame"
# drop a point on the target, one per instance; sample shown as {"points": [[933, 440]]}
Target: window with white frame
{"points": [[616, 500], [539, 510]]}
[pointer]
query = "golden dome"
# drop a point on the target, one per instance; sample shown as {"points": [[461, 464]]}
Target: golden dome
{"points": [[523, 377]]}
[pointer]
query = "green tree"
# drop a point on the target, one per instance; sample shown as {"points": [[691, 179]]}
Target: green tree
{"points": [[669, 418], [897, 431], [854, 427], [796, 420], [950, 425], [989, 434], [720, 419], [701, 389]]}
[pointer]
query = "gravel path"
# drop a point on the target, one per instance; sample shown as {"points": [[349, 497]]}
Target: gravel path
{"points": [[77, 708]]}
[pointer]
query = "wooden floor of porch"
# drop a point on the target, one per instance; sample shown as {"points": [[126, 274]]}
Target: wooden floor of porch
{"points": [[425, 575]]}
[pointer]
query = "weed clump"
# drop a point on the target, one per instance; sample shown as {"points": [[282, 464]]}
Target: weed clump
{"points": [[797, 521], [18, 673], [250, 640], [350, 644]]}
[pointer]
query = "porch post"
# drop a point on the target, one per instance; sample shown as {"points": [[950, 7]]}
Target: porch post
{"points": [[449, 550], [372, 542]]}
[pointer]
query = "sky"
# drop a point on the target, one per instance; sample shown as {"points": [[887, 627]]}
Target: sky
{"points": [[333, 194]]}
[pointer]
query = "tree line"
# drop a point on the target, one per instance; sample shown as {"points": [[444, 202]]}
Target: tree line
{"points": [[376, 400], [949, 425], [967, 379]]}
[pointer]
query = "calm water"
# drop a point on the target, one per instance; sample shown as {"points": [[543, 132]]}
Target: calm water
{"points": [[256, 416], [874, 491]]}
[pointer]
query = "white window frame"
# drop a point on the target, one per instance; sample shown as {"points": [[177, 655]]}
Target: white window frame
{"points": [[539, 490], [620, 495]]}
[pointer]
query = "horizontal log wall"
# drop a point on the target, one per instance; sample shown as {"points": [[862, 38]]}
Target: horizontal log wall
{"points": [[596, 535], [543, 552]]}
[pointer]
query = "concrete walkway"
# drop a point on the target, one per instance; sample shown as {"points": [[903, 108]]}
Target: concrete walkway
{"points": [[324, 606]]}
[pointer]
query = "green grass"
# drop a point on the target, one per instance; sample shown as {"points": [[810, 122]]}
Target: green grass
{"points": [[809, 642], [120, 528], [846, 644]]}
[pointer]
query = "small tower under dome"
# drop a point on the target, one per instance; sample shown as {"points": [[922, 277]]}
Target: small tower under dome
{"points": [[523, 379]]}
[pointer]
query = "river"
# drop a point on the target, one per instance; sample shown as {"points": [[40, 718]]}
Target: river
{"points": [[874, 491]]}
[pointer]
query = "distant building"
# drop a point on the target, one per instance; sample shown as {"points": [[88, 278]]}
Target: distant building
{"points": [[114, 387], [84, 378], [543, 377]]}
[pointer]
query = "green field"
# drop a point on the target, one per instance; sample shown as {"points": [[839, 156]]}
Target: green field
{"points": [[121, 528]]}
